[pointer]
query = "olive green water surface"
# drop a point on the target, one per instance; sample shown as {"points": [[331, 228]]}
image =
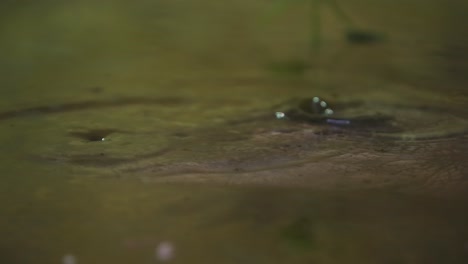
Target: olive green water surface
{"points": [[124, 125]]}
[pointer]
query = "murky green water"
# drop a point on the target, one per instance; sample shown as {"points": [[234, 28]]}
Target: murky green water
{"points": [[144, 131]]}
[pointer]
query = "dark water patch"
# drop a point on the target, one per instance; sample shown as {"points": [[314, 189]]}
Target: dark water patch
{"points": [[94, 104], [93, 134], [361, 37]]}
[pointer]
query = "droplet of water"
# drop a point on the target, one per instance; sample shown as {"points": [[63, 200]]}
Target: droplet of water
{"points": [[328, 111], [280, 115]]}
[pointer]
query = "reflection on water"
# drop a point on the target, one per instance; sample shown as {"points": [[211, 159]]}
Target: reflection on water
{"points": [[146, 132]]}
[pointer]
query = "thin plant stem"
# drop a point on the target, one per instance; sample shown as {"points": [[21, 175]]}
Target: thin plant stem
{"points": [[315, 28], [340, 13]]}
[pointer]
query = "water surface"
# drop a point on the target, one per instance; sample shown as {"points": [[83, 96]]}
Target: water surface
{"points": [[124, 127]]}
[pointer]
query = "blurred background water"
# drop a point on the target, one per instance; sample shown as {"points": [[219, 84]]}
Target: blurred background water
{"points": [[144, 131]]}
